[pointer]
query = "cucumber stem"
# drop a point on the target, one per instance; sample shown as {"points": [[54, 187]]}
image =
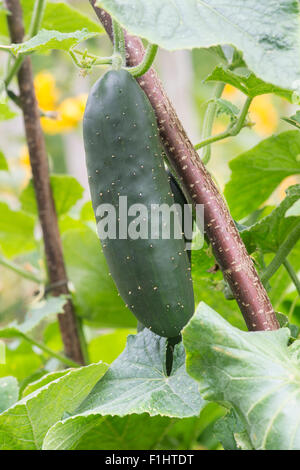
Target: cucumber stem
{"points": [[119, 56], [146, 63]]}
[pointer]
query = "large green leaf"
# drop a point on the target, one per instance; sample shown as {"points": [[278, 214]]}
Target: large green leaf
{"points": [[24, 425], [266, 32], [66, 192], [9, 392], [257, 172], [134, 432], [268, 233], [256, 374], [96, 297], [137, 382], [46, 40], [16, 231]]}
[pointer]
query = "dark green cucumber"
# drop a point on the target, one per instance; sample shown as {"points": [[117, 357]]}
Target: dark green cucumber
{"points": [[124, 158]]}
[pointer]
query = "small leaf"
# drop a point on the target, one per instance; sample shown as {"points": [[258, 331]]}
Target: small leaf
{"points": [[270, 232], [226, 107], [245, 80], [5, 112], [294, 120], [47, 40]]}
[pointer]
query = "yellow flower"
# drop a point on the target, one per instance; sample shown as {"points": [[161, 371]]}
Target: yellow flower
{"points": [[230, 92], [46, 92], [69, 114], [264, 114], [285, 184]]}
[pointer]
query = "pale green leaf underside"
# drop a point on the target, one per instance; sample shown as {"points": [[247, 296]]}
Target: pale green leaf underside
{"points": [[133, 432], [255, 174], [137, 382], [266, 32], [9, 392], [25, 424], [255, 373]]}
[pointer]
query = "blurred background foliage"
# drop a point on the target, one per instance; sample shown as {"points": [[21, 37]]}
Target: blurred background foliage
{"points": [[62, 91]]}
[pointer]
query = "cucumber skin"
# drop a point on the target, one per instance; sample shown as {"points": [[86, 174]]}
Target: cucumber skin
{"points": [[124, 158]]}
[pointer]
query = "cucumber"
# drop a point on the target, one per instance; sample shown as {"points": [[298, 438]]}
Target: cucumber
{"points": [[124, 158]]}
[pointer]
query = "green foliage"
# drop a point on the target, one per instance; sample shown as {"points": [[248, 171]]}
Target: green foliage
{"points": [[257, 172], [137, 382], [66, 191], [35, 315], [47, 40], [68, 20], [16, 231], [221, 386], [256, 374], [245, 80], [24, 427], [96, 297], [271, 49], [270, 232]]}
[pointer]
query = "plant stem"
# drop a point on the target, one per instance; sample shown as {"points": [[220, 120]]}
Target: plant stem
{"points": [[229, 250], [232, 130], [119, 45], [36, 20], [281, 254], [6, 49], [50, 352], [19, 270], [292, 308], [209, 120], [146, 63], [37, 17], [40, 174], [292, 274]]}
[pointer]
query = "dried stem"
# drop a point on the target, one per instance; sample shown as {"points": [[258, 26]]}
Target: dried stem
{"points": [[229, 250], [40, 172]]}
